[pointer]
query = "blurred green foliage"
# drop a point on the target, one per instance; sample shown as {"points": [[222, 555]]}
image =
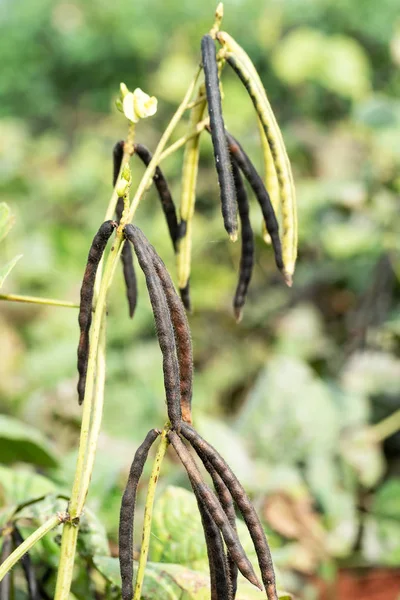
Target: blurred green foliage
{"points": [[285, 396]]}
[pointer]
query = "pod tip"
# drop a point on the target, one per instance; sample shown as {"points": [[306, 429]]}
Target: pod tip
{"points": [[233, 236], [288, 278], [238, 312]]}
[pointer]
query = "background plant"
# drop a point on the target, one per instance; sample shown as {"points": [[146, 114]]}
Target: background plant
{"points": [[336, 334]]}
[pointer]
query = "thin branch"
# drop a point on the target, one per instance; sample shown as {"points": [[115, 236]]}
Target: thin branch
{"points": [[37, 300]]}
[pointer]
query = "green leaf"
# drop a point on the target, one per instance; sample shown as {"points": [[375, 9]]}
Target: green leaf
{"points": [[21, 443], [7, 268], [386, 501], [365, 456], [7, 220]]}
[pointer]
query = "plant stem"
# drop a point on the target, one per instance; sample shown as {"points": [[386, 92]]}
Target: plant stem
{"points": [[29, 543], [37, 300], [148, 512], [182, 140], [385, 428], [92, 406]]}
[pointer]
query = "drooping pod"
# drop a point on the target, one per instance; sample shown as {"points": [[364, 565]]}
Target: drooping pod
{"points": [[164, 193], [258, 187], [85, 309], [243, 503], [162, 318], [271, 180], [188, 199], [127, 515], [33, 591], [182, 335], [247, 253], [126, 253], [215, 509], [219, 574], [221, 154], [244, 68], [225, 498], [185, 296]]}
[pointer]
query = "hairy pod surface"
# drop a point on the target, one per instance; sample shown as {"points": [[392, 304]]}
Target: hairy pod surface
{"points": [[182, 336], [128, 268], [164, 193], [165, 331], [188, 196], [215, 509], [247, 250], [85, 310], [243, 503], [127, 514], [219, 574], [243, 66], [221, 154], [27, 566], [258, 187]]}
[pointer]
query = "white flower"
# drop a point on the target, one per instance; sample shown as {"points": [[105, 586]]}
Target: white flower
{"points": [[138, 105]]}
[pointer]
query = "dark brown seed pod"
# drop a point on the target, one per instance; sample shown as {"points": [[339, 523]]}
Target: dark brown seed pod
{"points": [[118, 153], [162, 318], [164, 194], [126, 254], [243, 503], [33, 591], [219, 574], [255, 181], [247, 252], [221, 153], [215, 509], [127, 514], [5, 583], [85, 310], [182, 336], [226, 501]]}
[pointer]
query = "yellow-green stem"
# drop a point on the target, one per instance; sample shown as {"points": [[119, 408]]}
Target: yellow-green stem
{"points": [[29, 543], [38, 300], [148, 513], [182, 140], [385, 428]]}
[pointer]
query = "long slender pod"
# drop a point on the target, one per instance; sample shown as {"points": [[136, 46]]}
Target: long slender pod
{"points": [[162, 318], [164, 193], [226, 501], [126, 254], [271, 180], [260, 192], [219, 575], [221, 154], [247, 253], [242, 65], [185, 296], [182, 336], [188, 199], [127, 514], [33, 591], [5, 583], [243, 503], [85, 310], [215, 509]]}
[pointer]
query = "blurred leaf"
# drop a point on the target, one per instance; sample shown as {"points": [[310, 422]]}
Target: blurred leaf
{"points": [[381, 541], [21, 443], [6, 220], [92, 536], [365, 456], [386, 501], [371, 373], [355, 237], [7, 268]]}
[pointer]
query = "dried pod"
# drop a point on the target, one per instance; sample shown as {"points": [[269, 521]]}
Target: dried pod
{"points": [[85, 310], [127, 515], [33, 591], [5, 583], [204, 449], [164, 194], [162, 318], [215, 509], [243, 66], [255, 181], [118, 153], [271, 180], [247, 253], [219, 574], [188, 197], [182, 335], [221, 154], [185, 296]]}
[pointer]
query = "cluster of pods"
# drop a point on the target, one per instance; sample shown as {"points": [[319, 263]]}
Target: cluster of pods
{"points": [[217, 507]]}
